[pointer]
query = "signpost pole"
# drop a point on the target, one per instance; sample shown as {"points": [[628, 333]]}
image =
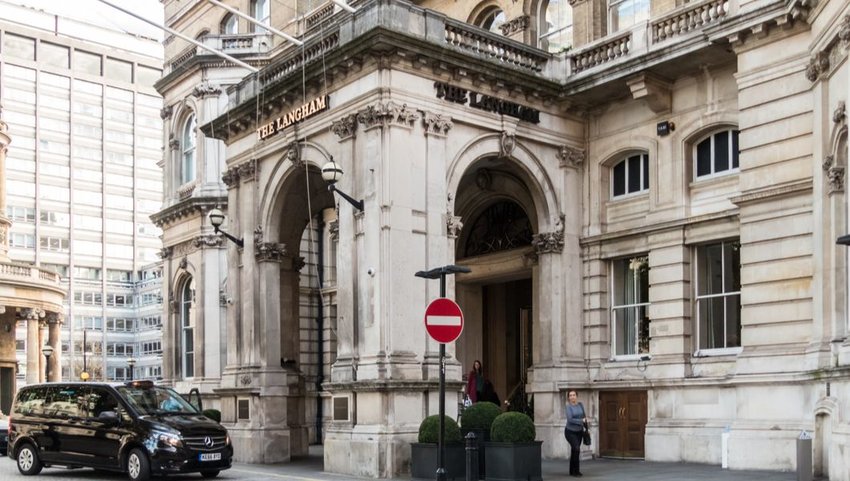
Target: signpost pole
{"points": [[441, 469], [440, 273]]}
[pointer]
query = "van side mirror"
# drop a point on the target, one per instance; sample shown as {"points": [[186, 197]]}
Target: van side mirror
{"points": [[108, 417]]}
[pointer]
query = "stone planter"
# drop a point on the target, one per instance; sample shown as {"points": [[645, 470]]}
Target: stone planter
{"points": [[514, 461], [424, 458]]}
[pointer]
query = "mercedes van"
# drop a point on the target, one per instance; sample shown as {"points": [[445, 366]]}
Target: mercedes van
{"points": [[136, 428]]}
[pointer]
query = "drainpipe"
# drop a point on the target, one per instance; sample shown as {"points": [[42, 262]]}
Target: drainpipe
{"points": [[320, 321]]}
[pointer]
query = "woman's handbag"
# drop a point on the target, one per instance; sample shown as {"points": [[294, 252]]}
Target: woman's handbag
{"points": [[585, 436]]}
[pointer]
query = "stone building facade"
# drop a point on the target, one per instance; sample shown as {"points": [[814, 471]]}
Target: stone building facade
{"points": [[648, 194]]}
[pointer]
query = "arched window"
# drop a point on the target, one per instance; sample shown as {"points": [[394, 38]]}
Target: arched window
{"points": [[555, 25], [502, 226], [261, 12], [716, 154], [230, 25], [188, 143], [187, 330], [630, 175], [491, 19]]}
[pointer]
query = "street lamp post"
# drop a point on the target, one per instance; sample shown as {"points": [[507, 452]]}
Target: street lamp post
{"points": [[331, 173], [132, 363], [47, 350], [216, 219]]}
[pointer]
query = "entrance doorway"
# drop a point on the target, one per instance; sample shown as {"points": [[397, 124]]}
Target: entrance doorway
{"points": [[622, 423]]}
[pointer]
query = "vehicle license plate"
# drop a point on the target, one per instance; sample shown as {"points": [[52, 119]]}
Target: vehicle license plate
{"points": [[209, 457]]}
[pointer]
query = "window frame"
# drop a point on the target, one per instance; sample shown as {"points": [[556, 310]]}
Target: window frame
{"points": [[734, 157], [612, 7], [188, 164], [643, 260], [225, 25], [541, 22], [187, 330], [261, 16], [724, 349], [644, 176]]}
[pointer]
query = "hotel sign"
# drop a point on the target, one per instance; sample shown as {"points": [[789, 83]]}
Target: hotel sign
{"points": [[304, 112], [487, 103]]}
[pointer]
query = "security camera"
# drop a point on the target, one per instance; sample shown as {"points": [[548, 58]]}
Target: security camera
{"points": [[230, 300], [371, 271]]}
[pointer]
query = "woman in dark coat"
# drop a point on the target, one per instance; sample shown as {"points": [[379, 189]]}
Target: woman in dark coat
{"points": [[475, 382]]}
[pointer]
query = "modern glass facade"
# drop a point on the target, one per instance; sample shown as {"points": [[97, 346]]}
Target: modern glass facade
{"points": [[82, 180]]}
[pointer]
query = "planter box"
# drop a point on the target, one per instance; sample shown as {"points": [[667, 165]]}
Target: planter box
{"points": [[424, 459], [514, 461]]}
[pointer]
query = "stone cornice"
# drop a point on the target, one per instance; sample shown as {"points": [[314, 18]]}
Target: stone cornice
{"points": [[186, 208], [773, 192], [661, 227]]}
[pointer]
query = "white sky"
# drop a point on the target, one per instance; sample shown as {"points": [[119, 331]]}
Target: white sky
{"points": [[97, 13]]}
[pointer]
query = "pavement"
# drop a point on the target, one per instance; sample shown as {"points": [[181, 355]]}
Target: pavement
{"points": [[310, 469]]}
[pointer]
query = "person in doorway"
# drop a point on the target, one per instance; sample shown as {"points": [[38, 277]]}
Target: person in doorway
{"points": [[475, 382], [576, 420]]}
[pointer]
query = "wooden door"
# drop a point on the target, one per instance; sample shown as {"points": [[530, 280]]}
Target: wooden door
{"points": [[622, 423]]}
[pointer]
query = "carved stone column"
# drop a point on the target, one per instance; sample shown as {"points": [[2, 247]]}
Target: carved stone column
{"points": [[548, 247], [54, 325]]}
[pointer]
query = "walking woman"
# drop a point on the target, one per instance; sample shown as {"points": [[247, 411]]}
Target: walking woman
{"points": [[475, 382], [576, 418]]}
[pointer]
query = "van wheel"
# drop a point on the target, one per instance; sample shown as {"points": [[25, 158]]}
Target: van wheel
{"points": [[28, 462], [210, 474], [138, 466]]}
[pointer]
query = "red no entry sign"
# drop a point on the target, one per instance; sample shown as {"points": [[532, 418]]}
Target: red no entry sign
{"points": [[443, 320]]}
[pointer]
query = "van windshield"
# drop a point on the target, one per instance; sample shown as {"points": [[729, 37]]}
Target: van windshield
{"points": [[156, 400]]}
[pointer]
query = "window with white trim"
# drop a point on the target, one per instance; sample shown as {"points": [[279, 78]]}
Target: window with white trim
{"points": [[187, 145], [230, 25], [555, 27], [716, 154], [629, 305], [491, 19], [718, 295], [262, 14], [187, 329], [630, 176]]}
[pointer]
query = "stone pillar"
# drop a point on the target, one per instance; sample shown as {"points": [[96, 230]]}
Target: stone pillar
{"points": [[54, 325], [168, 319], [33, 345]]}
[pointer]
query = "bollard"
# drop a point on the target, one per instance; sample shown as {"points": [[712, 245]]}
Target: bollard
{"points": [[804, 457], [471, 458]]}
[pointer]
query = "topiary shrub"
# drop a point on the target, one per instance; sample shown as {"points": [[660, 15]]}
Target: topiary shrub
{"points": [[429, 430], [479, 416], [513, 427], [213, 414]]}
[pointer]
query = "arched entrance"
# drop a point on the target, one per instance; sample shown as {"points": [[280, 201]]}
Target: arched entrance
{"points": [[498, 296], [295, 241]]}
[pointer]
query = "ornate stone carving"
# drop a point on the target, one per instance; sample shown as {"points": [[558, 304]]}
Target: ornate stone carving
{"points": [[839, 113], [258, 236], [835, 174], [827, 162], [818, 64], [389, 113], [844, 31], [345, 127], [453, 225], [298, 263], [184, 263], [333, 230], [550, 242], [245, 380], [209, 240], [183, 249], [519, 24], [54, 318], [293, 154], [248, 170], [32, 314], [507, 144], [165, 252], [270, 251], [569, 156], [173, 143], [206, 89], [165, 112], [230, 177], [436, 124]]}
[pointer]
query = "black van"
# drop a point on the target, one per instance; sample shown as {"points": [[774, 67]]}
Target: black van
{"points": [[137, 428]]}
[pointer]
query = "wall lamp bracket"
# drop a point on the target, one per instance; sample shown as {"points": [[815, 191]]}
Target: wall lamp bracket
{"points": [[843, 240], [331, 173], [216, 219]]}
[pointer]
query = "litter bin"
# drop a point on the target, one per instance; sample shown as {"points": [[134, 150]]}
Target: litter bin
{"points": [[804, 457]]}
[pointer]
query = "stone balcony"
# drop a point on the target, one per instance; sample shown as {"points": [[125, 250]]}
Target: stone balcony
{"points": [[28, 286]]}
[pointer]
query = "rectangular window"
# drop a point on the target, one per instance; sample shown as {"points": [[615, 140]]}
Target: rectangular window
{"points": [[630, 175], [85, 62], [629, 304], [118, 70], [19, 47], [625, 13], [718, 295], [54, 55]]}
